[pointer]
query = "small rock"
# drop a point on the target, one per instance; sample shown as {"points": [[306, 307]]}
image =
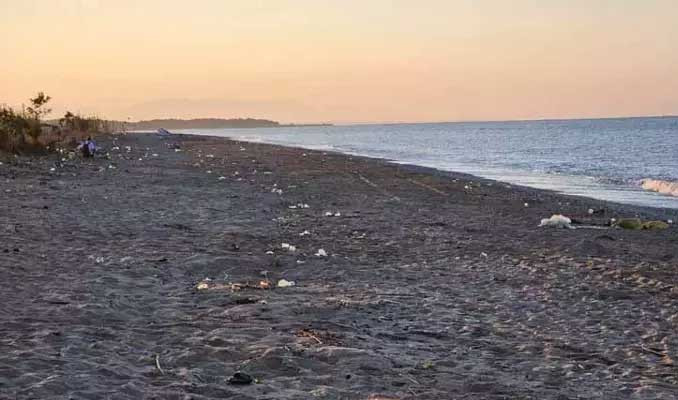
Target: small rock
{"points": [[240, 378]]}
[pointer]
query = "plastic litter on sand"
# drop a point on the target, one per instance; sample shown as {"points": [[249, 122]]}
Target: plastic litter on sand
{"points": [[321, 253], [283, 283], [557, 221]]}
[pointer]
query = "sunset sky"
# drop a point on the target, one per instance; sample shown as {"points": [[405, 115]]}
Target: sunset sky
{"points": [[343, 61]]}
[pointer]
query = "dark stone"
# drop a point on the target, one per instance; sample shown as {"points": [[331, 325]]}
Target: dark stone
{"points": [[240, 378]]}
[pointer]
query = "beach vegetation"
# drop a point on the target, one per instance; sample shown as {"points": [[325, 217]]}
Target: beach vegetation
{"points": [[26, 131]]}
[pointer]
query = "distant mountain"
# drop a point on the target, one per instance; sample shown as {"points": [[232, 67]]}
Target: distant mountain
{"points": [[202, 123]]}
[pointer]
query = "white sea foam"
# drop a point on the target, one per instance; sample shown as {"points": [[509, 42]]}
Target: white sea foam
{"points": [[664, 187]]}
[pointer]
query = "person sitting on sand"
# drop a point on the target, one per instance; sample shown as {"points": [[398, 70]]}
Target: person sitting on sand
{"points": [[88, 147]]}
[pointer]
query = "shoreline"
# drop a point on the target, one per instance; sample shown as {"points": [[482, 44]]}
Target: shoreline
{"points": [[656, 212], [143, 273]]}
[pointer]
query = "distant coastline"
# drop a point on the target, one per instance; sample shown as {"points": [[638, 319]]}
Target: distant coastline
{"points": [[210, 123]]}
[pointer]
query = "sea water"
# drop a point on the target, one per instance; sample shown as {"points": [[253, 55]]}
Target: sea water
{"points": [[626, 160]]}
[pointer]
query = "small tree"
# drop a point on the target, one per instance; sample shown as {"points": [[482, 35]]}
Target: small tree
{"points": [[36, 110]]}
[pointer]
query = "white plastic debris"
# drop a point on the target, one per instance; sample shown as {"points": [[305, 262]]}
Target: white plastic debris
{"points": [[209, 171], [52, 169], [155, 154], [557, 221], [128, 148], [337, 214], [466, 187], [321, 253], [591, 211], [202, 286], [669, 221], [111, 166], [305, 233], [269, 252], [483, 254], [126, 259], [283, 283], [99, 260], [285, 245], [526, 205], [221, 178], [209, 155], [329, 214]]}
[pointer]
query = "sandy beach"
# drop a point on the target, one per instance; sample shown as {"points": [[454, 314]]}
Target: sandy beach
{"points": [[154, 274]]}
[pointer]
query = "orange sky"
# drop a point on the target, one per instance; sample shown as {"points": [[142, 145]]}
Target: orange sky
{"points": [[343, 60]]}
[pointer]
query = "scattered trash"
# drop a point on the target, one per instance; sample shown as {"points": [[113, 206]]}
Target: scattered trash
{"points": [[670, 221], [321, 253], [221, 178], [557, 221], [209, 171], [288, 247], [655, 225], [285, 283], [305, 233], [111, 166], [637, 224], [52, 169], [155, 154], [269, 252], [526, 205], [202, 286], [240, 378], [629, 223], [125, 259], [265, 284], [591, 211], [99, 260], [483, 254]]}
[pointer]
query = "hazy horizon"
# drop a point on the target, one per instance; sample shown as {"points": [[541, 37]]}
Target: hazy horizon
{"points": [[344, 62]]}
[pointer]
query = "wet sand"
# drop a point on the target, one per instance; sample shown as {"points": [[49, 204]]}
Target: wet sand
{"points": [[153, 275]]}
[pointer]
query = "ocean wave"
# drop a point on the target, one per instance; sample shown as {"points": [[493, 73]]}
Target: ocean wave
{"points": [[660, 186]]}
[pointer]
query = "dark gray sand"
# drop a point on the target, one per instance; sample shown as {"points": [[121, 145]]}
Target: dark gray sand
{"points": [[435, 285]]}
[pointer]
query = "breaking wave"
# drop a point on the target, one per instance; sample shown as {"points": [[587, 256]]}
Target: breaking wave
{"points": [[659, 186]]}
